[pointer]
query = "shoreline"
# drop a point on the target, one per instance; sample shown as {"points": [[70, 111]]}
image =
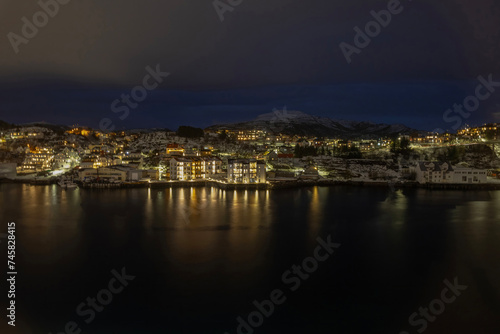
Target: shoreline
{"points": [[272, 185]]}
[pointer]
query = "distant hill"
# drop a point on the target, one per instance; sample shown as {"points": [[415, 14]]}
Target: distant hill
{"points": [[299, 123], [5, 125], [144, 130], [59, 129]]}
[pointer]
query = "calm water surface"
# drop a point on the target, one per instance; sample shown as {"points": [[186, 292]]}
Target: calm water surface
{"points": [[201, 256]]}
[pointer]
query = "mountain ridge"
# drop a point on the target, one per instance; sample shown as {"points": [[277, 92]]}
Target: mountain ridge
{"points": [[299, 123]]}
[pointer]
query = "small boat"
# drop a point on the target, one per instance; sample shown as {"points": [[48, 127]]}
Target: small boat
{"points": [[70, 185], [67, 184]]}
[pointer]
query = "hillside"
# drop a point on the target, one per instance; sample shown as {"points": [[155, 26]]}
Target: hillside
{"points": [[299, 123], [5, 125]]}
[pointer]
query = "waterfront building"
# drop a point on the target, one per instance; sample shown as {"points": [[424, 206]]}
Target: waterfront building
{"points": [[469, 175], [246, 171], [117, 173], [67, 158], [38, 160], [102, 174], [310, 173], [443, 172], [97, 161], [7, 170], [194, 168], [181, 169], [213, 166]]}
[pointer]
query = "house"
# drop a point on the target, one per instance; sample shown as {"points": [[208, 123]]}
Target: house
{"points": [[213, 166], [310, 173], [101, 149], [194, 168], [28, 133], [103, 173], [271, 156], [246, 171], [96, 161], [250, 135], [286, 159], [469, 175], [181, 169], [198, 169], [344, 144], [134, 159], [152, 174], [174, 149], [38, 160], [133, 174], [367, 145], [280, 158], [434, 172], [87, 163], [7, 170], [118, 173], [67, 158], [443, 172]]}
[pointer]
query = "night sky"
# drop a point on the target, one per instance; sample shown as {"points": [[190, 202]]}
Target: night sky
{"points": [[264, 55]]}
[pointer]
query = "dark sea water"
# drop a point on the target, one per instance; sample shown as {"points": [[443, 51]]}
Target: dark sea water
{"points": [[200, 258]]}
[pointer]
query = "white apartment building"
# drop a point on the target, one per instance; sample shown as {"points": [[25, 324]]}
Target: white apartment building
{"points": [[246, 171], [67, 158], [469, 175], [37, 161], [194, 168], [213, 166], [97, 161], [443, 172], [181, 169]]}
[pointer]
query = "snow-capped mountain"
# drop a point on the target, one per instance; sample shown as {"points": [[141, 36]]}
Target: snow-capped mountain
{"points": [[300, 123]]}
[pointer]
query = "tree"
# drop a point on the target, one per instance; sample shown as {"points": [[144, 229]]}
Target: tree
{"points": [[223, 136], [490, 134], [5, 125], [190, 132], [351, 152], [400, 146], [404, 144]]}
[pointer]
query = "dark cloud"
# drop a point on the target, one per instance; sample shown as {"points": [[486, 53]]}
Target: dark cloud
{"points": [[291, 43]]}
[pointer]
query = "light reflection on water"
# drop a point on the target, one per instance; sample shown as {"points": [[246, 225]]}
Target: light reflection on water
{"points": [[206, 246]]}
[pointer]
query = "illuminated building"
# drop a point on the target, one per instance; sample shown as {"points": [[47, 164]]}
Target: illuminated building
{"points": [[175, 149], [194, 168], [246, 171], [181, 169], [250, 135], [437, 172], [38, 160]]}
